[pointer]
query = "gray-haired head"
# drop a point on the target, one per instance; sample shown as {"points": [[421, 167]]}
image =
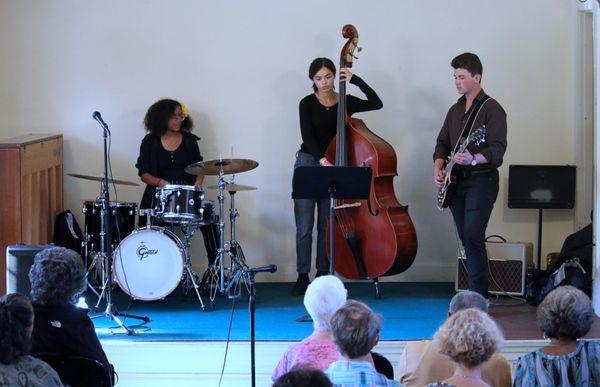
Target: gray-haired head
{"points": [[323, 297], [565, 313], [355, 329], [57, 276], [465, 300]]}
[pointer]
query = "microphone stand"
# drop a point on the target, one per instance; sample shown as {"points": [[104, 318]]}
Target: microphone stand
{"points": [[249, 274], [111, 311]]}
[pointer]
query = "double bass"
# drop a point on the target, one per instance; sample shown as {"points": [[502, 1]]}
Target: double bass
{"points": [[374, 237]]}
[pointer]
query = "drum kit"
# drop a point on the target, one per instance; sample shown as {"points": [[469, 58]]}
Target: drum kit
{"points": [[149, 261]]}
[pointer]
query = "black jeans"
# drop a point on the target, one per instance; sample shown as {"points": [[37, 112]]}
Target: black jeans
{"points": [[471, 208], [304, 212]]}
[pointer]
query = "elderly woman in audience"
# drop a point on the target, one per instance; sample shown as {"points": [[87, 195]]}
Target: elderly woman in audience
{"points": [[565, 315], [17, 368], [57, 279], [422, 363], [323, 297], [469, 337]]}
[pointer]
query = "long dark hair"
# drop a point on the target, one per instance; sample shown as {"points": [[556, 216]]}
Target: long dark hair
{"points": [[157, 118], [317, 65], [16, 319]]}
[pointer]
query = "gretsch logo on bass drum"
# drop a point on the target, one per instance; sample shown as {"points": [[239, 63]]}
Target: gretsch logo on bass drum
{"points": [[143, 252]]}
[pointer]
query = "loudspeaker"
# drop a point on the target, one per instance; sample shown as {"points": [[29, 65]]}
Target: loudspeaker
{"points": [[19, 259], [508, 262]]}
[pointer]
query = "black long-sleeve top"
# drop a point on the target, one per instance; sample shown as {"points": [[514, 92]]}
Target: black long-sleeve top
{"points": [[318, 123], [163, 164]]}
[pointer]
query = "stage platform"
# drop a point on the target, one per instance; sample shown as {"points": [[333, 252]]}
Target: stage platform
{"points": [[185, 346]]}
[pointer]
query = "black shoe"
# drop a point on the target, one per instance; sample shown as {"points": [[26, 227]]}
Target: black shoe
{"points": [[321, 273], [300, 286]]}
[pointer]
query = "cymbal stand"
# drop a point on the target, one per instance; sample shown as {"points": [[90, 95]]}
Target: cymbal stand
{"points": [[190, 280], [238, 268]]}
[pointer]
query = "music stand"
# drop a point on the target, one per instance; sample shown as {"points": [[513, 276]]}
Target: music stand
{"points": [[331, 183]]}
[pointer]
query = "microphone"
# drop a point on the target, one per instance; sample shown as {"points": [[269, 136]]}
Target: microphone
{"points": [[261, 269], [98, 118]]}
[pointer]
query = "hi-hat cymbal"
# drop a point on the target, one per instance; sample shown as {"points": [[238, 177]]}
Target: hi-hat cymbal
{"points": [[232, 187], [213, 167], [99, 178]]}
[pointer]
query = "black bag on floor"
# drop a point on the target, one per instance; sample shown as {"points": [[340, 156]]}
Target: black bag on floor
{"points": [[67, 232]]}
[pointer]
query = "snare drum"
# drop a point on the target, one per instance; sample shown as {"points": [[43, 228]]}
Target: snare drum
{"points": [[122, 218], [179, 203], [148, 264]]}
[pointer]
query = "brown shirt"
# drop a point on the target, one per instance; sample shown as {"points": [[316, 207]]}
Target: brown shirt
{"points": [[422, 363], [492, 115]]}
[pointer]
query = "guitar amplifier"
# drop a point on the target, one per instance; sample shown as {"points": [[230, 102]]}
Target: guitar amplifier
{"points": [[508, 262]]}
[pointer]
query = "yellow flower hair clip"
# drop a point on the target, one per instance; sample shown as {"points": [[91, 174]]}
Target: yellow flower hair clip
{"points": [[184, 109]]}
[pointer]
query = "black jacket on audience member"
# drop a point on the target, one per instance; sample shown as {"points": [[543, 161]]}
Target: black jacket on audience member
{"points": [[66, 329]]}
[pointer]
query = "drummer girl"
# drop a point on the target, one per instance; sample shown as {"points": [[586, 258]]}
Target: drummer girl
{"points": [[165, 151]]}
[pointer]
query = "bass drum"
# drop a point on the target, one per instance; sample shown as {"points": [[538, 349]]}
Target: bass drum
{"points": [[148, 264]]}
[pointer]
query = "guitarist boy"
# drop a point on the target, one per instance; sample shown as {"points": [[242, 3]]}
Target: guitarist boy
{"points": [[476, 170]]}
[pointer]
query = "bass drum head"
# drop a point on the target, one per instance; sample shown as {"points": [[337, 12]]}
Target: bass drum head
{"points": [[148, 264]]}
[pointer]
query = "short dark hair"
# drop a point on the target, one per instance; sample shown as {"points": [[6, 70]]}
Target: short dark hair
{"points": [[317, 65], [16, 319], [469, 62], [299, 377], [157, 117], [355, 328]]}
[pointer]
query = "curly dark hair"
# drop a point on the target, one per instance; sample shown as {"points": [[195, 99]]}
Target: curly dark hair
{"points": [[157, 117], [16, 320], [316, 65], [57, 276]]}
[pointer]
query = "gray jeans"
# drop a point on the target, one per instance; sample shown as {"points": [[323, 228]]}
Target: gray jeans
{"points": [[304, 212]]}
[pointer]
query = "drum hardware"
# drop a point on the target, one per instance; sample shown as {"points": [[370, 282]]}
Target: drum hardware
{"points": [[111, 311], [235, 187], [219, 276], [190, 277], [100, 179], [218, 167]]}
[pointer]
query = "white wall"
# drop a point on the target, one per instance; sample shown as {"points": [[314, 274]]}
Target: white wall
{"points": [[241, 67]]}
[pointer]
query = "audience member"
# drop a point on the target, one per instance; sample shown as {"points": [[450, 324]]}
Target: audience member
{"points": [[469, 337], [57, 279], [565, 315], [323, 297], [303, 378], [355, 329], [422, 363], [17, 368]]}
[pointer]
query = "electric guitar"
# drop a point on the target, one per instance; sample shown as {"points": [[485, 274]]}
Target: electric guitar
{"points": [[446, 191]]}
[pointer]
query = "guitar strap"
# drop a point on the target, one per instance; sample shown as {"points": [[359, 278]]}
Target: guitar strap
{"points": [[471, 120]]}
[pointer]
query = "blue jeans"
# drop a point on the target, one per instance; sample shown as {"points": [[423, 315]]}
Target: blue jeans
{"points": [[471, 208], [304, 213]]}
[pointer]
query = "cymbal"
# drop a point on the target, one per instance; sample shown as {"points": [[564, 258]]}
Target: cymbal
{"points": [[213, 167], [99, 178], [232, 187]]}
